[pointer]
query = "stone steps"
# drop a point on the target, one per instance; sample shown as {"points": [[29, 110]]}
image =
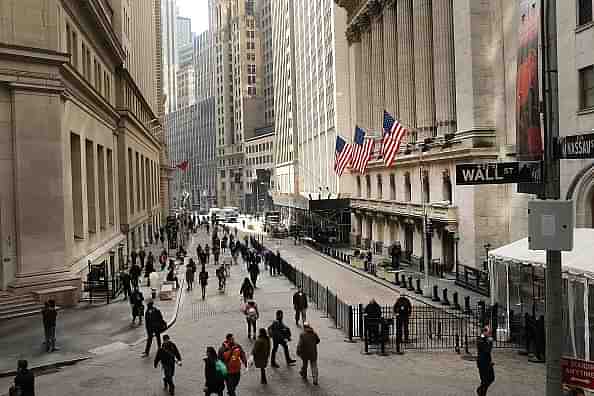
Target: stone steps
{"points": [[14, 306]]}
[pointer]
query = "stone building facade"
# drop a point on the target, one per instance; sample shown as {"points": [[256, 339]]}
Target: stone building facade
{"points": [[79, 162], [447, 70]]}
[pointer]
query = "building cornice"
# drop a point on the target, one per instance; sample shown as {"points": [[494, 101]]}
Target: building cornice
{"points": [[30, 54], [130, 80], [99, 11], [127, 116]]}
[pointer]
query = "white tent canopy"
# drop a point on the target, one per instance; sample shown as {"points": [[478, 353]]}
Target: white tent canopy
{"points": [[577, 262]]}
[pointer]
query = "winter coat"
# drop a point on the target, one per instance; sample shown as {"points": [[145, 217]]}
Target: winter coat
{"points": [[299, 301], [307, 348], [261, 351], [49, 317], [214, 382], [279, 332], [403, 307], [167, 355], [203, 277], [153, 320], [247, 290], [25, 381], [189, 275]]}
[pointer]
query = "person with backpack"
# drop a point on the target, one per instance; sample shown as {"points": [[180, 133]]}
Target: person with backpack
{"points": [[251, 316], [136, 299], [261, 353], [307, 350], [247, 290], [168, 355], [233, 356], [203, 279], [280, 334], [155, 325], [215, 372]]}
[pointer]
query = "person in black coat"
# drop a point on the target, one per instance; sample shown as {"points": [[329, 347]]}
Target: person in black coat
{"points": [[136, 300], [125, 279], [24, 381], [215, 382], [280, 334], [254, 271], [142, 255], [396, 253], [49, 315], [133, 256], [402, 311], [373, 316], [135, 273], [167, 355], [484, 361], [300, 305], [247, 290], [155, 325]]}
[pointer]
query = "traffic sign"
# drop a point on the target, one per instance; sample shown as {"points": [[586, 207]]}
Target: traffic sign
{"points": [[499, 173], [576, 147]]}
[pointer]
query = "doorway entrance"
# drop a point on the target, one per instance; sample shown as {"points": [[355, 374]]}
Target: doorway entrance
{"points": [[448, 251]]}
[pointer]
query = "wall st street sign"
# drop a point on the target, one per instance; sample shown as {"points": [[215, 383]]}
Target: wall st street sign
{"points": [[499, 173], [576, 147]]}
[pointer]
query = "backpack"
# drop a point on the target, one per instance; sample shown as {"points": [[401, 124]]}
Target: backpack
{"points": [[251, 313], [221, 369], [233, 359]]}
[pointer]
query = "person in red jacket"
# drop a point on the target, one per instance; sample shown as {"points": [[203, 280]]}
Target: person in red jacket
{"points": [[233, 356]]}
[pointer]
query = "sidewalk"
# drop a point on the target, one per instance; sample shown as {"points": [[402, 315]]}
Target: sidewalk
{"points": [[344, 370], [81, 333]]}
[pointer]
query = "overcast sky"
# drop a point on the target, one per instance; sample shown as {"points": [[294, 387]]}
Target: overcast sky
{"points": [[197, 10]]}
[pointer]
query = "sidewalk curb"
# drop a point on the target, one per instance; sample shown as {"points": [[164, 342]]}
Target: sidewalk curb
{"points": [[45, 366]]}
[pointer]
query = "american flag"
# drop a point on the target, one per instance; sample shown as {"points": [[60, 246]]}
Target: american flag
{"points": [[344, 153], [362, 151], [394, 131]]}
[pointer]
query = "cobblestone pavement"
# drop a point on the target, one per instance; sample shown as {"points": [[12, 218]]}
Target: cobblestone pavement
{"points": [[344, 370]]}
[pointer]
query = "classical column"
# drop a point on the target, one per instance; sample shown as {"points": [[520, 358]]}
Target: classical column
{"points": [[355, 60], [444, 67], [423, 43], [406, 65], [391, 59], [366, 54], [377, 59]]}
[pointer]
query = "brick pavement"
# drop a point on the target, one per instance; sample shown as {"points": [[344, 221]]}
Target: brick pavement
{"points": [[344, 370]]}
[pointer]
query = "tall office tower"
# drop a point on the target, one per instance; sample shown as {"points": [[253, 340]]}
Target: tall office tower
{"points": [[183, 29], [240, 105], [311, 98], [265, 22], [84, 192], [169, 55], [186, 75], [191, 132], [204, 66]]}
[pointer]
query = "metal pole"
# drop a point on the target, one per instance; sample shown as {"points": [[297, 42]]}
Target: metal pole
{"points": [[554, 328]]}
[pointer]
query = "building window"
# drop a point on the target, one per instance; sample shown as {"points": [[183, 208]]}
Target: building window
{"points": [[379, 187], [368, 185], [587, 88], [252, 91], [392, 187], [358, 186], [251, 69], [251, 80], [584, 12], [407, 188]]}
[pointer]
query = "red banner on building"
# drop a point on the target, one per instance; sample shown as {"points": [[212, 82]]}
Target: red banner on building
{"points": [[529, 139], [578, 373]]}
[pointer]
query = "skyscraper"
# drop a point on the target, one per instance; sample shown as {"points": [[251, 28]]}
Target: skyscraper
{"points": [[239, 100], [168, 47]]}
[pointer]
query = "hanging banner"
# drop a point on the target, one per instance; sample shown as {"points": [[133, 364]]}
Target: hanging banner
{"points": [[529, 137], [577, 373]]}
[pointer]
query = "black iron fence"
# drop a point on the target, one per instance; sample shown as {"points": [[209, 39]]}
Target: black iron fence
{"points": [[101, 291], [473, 279]]}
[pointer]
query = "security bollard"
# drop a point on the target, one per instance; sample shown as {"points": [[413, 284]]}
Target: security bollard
{"points": [[410, 284], [435, 297], [418, 290], [456, 303], [445, 301], [467, 309], [403, 281]]}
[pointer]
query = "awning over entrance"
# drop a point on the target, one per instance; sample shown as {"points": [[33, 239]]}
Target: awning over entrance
{"points": [[577, 262]]}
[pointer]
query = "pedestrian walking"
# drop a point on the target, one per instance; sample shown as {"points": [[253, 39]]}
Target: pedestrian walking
{"points": [[24, 381], [261, 354], [135, 273], [49, 315], [207, 252], [168, 355], [254, 271], [373, 317], [163, 260], [136, 300], [233, 356], [307, 350], [172, 277], [141, 256], [247, 290], [216, 252], [203, 279], [126, 285], [300, 305], [155, 325], [277, 263], [222, 277], [250, 310], [150, 259], [189, 277], [396, 254], [149, 268], [402, 312], [133, 256], [280, 334], [215, 372], [484, 361]]}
